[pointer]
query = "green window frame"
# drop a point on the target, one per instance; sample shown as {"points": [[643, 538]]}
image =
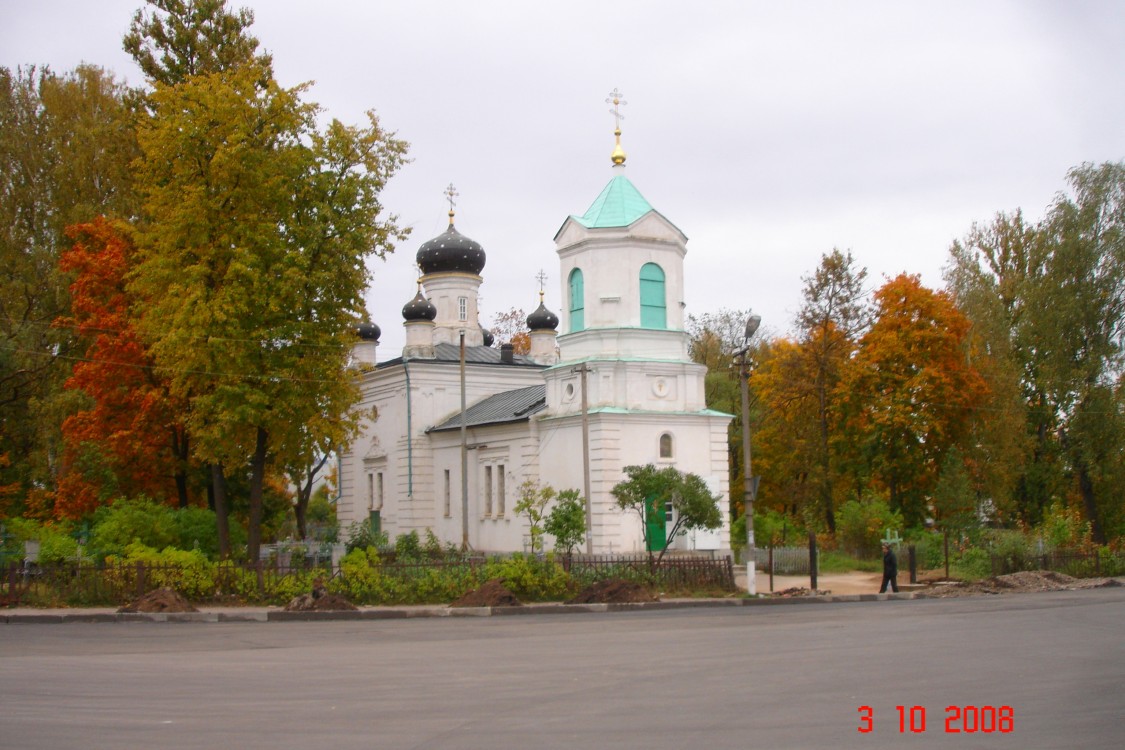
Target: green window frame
{"points": [[654, 310], [577, 305]]}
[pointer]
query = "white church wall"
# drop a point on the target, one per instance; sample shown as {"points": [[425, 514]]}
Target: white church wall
{"points": [[500, 459], [412, 482]]}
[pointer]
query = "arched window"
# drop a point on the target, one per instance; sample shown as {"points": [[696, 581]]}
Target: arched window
{"points": [[666, 445], [653, 310], [577, 305]]}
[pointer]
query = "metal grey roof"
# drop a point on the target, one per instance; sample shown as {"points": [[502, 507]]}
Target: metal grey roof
{"points": [[474, 355], [509, 406]]}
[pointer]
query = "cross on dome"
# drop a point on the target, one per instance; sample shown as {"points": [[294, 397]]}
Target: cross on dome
{"points": [[450, 195], [618, 155]]}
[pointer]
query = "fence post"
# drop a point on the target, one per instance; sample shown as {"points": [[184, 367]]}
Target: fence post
{"points": [[771, 567], [812, 559], [261, 578], [140, 579], [913, 553], [1097, 563]]}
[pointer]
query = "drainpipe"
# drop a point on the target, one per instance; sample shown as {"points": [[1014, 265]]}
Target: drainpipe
{"points": [[409, 437]]}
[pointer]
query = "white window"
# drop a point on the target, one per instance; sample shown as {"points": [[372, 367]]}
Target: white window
{"points": [[487, 491], [500, 491], [666, 445], [370, 491], [462, 308], [447, 495], [378, 492]]}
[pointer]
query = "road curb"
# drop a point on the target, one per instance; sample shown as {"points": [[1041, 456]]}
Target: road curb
{"points": [[48, 617]]}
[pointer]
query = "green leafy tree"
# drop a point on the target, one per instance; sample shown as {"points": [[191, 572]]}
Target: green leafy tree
{"points": [[954, 502], [693, 505], [714, 338], [1048, 300], [567, 521], [533, 505], [174, 40], [66, 143], [252, 264]]}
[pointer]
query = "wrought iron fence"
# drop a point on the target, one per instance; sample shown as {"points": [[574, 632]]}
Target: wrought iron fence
{"points": [[679, 572], [82, 584], [1077, 563], [787, 561]]}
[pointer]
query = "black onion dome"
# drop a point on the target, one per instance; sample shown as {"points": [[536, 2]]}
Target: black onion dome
{"points": [[489, 339], [419, 308], [368, 331], [451, 251], [542, 319]]}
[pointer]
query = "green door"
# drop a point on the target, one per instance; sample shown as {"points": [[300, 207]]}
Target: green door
{"points": [[656, 530], [376, 522]]}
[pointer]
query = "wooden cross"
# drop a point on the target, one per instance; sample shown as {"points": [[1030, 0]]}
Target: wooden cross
{"points": [[616, 100]]}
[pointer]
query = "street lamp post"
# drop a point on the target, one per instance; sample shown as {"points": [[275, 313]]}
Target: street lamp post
{"points": [[749, 485]]}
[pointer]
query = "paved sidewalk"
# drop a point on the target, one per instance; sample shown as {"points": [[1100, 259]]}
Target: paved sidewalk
{"points": [[208, 613]]}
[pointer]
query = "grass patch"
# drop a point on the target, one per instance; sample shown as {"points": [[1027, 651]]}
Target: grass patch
{"points": [[835, 561]]}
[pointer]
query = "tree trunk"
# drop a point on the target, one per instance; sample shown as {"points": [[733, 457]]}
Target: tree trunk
{"points": [[180, 451], [1086, 487], [219, 497], [257, 480]]}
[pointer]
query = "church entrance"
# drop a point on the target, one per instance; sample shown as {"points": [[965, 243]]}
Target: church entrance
{"points": [[656, 528]]}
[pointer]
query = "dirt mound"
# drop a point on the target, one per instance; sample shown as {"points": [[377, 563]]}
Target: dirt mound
{"points": [[319, 601], [160, 600], [799, 591], [491, 594], [1021, 582], [613, 591]]}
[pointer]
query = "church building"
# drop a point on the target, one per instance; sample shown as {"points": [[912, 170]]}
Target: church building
{"points": [[455, 423]]}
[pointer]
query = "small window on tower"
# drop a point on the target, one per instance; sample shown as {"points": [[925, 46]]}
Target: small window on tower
{"points": [[666, 445], [462, 308]]}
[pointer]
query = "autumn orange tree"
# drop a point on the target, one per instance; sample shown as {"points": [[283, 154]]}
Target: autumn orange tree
{"points": [[786, 436], [126, 441], [908, 394], [511, 328]]}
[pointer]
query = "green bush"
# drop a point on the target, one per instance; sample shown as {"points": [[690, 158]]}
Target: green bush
{"points": [[408, 547], [973, 564], [929, 549], [837, 561], [117, 526], [361, 535], [530, 578], [1014, 549], [1064, 528], [860, 525], [187, 572]]}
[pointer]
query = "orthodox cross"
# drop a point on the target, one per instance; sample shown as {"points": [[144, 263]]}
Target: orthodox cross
{"points": [[450, 194], [541, 277], [616, 100]]}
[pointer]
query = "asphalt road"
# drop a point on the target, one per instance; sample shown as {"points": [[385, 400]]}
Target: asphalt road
{"points": [[745, 677]]}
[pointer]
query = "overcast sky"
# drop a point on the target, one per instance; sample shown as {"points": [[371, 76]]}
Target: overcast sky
{"points": [[768, 132]]}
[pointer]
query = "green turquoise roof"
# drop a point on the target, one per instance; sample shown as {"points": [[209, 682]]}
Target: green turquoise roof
{"points": [[618, 205]]}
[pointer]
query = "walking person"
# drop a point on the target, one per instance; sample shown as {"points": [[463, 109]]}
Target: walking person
{"points": [[890, 570]]}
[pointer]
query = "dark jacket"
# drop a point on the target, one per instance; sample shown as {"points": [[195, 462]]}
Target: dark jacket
{"points": [[890, 564]]}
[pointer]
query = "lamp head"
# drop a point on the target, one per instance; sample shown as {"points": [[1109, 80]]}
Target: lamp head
{"points": [[752, 324]]}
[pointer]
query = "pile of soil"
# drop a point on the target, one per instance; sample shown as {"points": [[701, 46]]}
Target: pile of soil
{"points": [[613, 591], [318, 601], [797, 591], [491, 594], [1022, 582], [160, 600]]}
